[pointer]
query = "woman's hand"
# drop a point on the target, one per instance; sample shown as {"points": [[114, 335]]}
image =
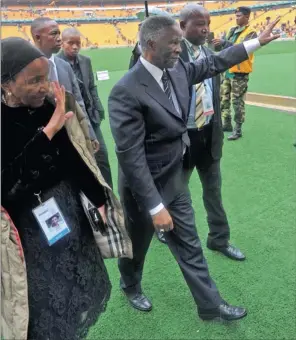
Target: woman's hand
{"points": [[59, 116], [102, 212]]}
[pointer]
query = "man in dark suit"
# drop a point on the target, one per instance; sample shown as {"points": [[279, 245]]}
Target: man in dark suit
{"points": [[82, 68], [46, 35], [206, 135], [148, 111]]}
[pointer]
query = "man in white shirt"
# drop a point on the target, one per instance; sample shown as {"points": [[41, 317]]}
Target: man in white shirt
{"points": [[148, 111], [205, 131]]}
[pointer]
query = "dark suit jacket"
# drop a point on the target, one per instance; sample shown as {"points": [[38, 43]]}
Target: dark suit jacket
{"points": [[148, 131], [136, 53], [68, 80], [95, 110], [226, 43], [217, 135]]}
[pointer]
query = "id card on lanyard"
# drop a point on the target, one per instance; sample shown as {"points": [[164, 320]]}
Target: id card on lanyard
{"points": [[206, 97], [207, 102], [51, 220]]}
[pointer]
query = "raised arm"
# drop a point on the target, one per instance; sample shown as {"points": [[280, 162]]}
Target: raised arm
{"points": [[217, 63], [221, 44], [128, 129]]}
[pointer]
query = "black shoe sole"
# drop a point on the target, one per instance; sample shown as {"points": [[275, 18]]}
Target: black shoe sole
{"points": [[221, 319], [236, 138], [135, 306], [140, 309], [227, 255]]}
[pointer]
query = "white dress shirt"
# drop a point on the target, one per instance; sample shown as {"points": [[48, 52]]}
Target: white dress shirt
{"points": [[250, 46], [53, 73]]}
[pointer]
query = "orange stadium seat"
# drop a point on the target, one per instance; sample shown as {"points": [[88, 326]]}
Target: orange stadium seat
{"points": [[104, 34]]}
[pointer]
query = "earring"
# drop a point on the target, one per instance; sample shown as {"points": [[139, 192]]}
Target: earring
{"points": [[9, 93]]}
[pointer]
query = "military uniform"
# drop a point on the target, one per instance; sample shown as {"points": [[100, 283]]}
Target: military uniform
{"points": [[235, 84]]}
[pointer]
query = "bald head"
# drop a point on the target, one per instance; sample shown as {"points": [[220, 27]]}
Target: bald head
{"points": [[39, 23], [70, 32], [71, 39], [191, 11], [46, 35], [194, 22]]}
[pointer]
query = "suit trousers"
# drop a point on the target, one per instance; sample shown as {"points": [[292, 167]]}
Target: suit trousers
{"points": [[183, 242], [102, 156], [199, 157]]}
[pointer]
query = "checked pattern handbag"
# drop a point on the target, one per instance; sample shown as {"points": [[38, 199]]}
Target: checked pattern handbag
{"points": [[112, 241]]}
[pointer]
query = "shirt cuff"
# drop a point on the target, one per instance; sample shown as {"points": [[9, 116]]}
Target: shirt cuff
{"points": [[156, 210], [252, 45]]}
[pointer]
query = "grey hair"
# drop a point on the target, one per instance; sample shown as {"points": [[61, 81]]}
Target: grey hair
{"points": [[70, 31], [190, 11], [152, 28]]}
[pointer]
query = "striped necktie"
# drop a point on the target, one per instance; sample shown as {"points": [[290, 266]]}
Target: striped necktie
{"points": [[166, 86], [200, 118]]}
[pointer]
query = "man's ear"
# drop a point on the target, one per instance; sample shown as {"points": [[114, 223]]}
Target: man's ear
{"points": [[5, 87], [182, 25], [151, 44], [37, 37]]}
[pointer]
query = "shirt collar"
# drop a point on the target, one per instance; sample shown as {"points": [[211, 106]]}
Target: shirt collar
{"points": [[152, 69], [192, 46], [52, 59], [240, 29]]}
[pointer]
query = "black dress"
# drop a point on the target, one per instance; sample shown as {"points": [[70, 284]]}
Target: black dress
{"points": [[68, 285]]}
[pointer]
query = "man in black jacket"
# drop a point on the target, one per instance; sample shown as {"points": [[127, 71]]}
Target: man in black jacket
{"points": [[81, 65], [148, 110], [205, 132]]}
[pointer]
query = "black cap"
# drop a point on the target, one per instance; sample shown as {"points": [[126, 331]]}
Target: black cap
{"points": [[16, 54], [243, 9]]}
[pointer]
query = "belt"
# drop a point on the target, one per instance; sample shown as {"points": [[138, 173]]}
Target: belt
{"points": [[205, 127]]}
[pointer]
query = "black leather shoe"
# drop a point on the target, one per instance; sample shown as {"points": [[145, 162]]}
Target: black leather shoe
{"points": [[230, 251], [160, 236], [139, 301], [224, 312]]}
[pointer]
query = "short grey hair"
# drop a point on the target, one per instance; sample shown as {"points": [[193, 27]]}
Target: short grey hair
{"points": [[70, 31], [191, 10], [153, 27]]}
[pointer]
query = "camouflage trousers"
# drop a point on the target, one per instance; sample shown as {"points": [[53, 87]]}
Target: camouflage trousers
{"points": [[234, 91]]}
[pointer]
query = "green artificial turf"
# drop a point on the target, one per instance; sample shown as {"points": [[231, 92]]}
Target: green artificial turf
{"points": [[259, 182]]}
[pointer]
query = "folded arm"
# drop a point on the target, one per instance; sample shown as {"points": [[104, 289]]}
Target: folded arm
{"points": [[128, 129]]}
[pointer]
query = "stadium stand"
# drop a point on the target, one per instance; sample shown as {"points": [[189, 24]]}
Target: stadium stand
{"points": [[120, 25]]}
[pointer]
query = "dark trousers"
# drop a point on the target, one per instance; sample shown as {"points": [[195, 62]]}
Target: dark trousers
{"points": [[183, 242], [102, 156], [199, 156]]}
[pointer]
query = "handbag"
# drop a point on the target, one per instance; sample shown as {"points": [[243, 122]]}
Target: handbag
{"points": [[112, 240]]}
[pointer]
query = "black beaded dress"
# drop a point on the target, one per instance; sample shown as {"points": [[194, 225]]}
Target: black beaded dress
{"points": [[68, 285]]}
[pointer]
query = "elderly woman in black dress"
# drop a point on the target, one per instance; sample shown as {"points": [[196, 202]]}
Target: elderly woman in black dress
{"points": [[68, 286]]}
